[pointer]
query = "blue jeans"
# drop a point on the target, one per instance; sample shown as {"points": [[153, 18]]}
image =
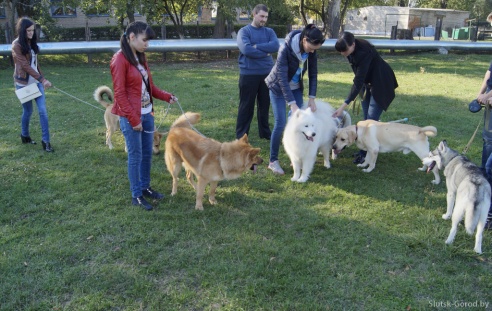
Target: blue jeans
{"points": [[43, 115], [139, 144], [487, 157], [279, 106], [371, 110]]}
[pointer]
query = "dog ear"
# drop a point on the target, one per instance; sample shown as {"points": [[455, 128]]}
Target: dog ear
{"points": [[297, 114], [254, 152], [244, 138], [352, 134], [442, 145]]}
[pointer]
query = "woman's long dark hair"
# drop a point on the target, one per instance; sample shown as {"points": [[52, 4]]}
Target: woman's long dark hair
{"points": [[312, 34], [138, 28], [21, 28], [345, 40]]}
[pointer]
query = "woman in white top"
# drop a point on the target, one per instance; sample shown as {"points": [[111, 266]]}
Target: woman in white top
{"points": [[24, 52]]}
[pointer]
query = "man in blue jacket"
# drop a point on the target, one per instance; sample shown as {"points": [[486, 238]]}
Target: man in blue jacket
{"points": [[256, 44]]}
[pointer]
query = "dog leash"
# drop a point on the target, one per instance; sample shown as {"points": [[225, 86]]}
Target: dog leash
{"points": [[191, 125], [77, 98], [166, 112], [83, 101], [465, 150], [157, 128]]}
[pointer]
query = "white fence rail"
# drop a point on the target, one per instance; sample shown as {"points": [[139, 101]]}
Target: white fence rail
{"points": [[196, 45]]}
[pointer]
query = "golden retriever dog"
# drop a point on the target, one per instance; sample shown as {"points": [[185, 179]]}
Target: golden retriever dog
{"points": [[113, 121], [380, 137], [207, 159]]}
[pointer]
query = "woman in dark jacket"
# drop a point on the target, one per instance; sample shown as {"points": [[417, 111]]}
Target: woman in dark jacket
{"points": [[286, 85], [372, 74]]}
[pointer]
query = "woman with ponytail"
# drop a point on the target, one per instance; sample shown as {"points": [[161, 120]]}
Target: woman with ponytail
{"points": [[294, 58], [134, 91]]}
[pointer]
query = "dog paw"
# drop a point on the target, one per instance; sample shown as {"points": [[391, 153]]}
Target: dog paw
{"points": [[302, 179], [435, 182], [213, 201], [446, 216], [478, 250], [294, 179], [199, 207], [449, 241]]}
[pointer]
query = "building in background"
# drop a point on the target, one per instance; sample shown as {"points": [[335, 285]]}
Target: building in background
{"points": [[378, 20]]}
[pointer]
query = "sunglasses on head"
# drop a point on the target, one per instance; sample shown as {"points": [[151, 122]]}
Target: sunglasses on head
{"points": [[315, 41]]}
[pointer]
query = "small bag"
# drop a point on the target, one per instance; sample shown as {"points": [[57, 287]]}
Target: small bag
{"points": [[474, 106], [28, 93]]}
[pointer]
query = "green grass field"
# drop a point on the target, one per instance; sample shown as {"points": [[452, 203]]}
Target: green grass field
{"points": [[345, 240]]}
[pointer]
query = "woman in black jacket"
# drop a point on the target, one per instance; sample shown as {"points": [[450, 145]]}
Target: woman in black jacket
{"points": [[294, 58], [372, 74]]}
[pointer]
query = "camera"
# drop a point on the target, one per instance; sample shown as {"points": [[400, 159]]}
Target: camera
{"points": [[475, 106]]}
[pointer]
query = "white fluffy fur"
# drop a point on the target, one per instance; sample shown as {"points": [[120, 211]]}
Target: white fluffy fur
{"points": [[307, 132]]}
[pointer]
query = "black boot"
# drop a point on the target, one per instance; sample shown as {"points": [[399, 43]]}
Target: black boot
{"points": [[47, 147], [27, 140]]}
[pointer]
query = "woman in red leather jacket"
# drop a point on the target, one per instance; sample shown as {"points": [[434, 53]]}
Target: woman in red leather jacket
{"points": [[133, 93]]}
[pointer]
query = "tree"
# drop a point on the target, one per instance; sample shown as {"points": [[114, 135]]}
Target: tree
{"points": [[466, 5], [118, 9], [36, 9], [326, 10], [332, 19], [178, 11], [226, 12]]}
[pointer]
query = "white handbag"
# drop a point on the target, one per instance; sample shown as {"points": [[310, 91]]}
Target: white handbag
{"points": [[28, 93]]}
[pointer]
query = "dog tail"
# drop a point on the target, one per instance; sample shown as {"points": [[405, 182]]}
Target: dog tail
{"points": [[98, 95], [478, 208], [429, 131], [187, 119]]}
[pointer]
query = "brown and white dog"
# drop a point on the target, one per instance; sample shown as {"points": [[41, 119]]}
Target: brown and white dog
{"points": [[113, 121], [380, 137], [207, 159]]}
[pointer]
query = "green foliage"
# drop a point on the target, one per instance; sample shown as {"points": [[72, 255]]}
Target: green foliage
{"points": [[345, 240], [465, 5], [103, 33]]}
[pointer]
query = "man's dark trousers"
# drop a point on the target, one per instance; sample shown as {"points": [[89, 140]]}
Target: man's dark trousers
{"points": [[252, 88]]}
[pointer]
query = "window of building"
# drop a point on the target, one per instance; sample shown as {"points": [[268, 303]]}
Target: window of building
{"points": [[60, 9], [244, 14], [98, 11], [2, 10]]}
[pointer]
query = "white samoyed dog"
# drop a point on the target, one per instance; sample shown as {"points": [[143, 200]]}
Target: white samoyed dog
{"points": [[308, 132]]}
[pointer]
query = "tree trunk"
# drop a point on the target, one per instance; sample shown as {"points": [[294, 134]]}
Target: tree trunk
{"points": [[130, 12], [332, 18], [219, 28], [302, 13]]}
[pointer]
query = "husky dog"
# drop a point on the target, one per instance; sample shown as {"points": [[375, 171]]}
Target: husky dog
{"points": [[468, 191]]}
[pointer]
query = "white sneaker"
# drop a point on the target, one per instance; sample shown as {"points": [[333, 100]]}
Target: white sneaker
{"points": [[275, 167]]}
